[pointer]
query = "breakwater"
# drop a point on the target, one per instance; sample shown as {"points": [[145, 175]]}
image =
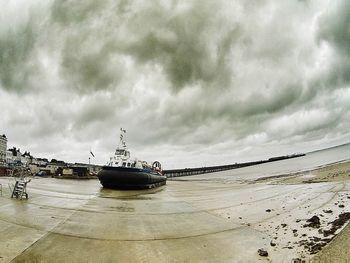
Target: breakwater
{"points": [[219, 168]]}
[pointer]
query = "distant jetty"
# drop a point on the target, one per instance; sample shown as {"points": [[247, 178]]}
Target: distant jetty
{"points": [[219, 168]]}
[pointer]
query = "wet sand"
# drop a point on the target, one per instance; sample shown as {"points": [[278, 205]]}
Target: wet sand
{"points": [[338, 250], [188, 220]]}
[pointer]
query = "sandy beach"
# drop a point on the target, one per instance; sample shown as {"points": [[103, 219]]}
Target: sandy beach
{"points": [[336, 247], [207, 218]]}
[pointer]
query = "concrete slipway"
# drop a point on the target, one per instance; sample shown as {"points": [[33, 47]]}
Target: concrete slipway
{"points": [[187, 220]]}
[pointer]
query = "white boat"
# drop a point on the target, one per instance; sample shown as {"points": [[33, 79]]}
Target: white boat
{"points": [[123, 172]]}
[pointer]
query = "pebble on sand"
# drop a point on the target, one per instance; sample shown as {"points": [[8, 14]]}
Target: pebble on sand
{"points": [[262, 252]]}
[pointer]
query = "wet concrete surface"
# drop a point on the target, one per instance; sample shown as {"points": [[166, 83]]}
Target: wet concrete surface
{"points": [[184, 221]]}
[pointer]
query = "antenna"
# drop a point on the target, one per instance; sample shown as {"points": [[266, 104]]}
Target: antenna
{"points": [[122, 134]]}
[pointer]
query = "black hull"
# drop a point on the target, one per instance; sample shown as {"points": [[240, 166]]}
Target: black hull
{"points": [[130, 178]]}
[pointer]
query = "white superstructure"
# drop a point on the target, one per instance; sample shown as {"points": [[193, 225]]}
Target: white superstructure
{"points": [[122, 157], [3, 148]]}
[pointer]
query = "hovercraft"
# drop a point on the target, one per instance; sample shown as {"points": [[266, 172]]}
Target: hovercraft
{"points": [[122, 172]]}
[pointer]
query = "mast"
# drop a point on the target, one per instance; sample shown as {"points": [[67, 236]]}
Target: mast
{"points": [[122, 135]]}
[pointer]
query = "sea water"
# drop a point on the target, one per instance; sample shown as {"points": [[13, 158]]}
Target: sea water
{"points": [[309, 161]]}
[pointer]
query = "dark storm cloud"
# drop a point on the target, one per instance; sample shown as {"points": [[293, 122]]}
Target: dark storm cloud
{"points": [[87, 61], [21, 27], [334, 26], [88, 71], [68, 12], [187, 40], [188, 44], [334, 29], [15, 53]]}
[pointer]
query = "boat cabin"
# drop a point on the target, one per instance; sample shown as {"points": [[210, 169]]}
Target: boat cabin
{"points": [[122, 157], [122, 152]]}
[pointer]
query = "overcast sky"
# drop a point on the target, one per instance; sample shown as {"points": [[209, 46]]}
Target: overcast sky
{"points": [[194, 83]]}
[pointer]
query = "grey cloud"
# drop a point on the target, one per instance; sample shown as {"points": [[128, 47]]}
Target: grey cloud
{"points": [[38, 119], [98, 109], [333, 28], [242, 115], [183, 77], [89, 71], [15, 53], [21, 29], [268, 102], [191, 45], [71, 13]]}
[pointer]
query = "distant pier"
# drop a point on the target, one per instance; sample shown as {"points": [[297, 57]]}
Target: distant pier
{"points": [[219, 168]]}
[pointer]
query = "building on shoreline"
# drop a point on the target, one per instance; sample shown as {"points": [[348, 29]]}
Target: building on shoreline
{"points": [[3, 148], [14, 157]]}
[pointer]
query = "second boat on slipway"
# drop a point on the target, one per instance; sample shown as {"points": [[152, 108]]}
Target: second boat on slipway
{"points": [[122, 172]]}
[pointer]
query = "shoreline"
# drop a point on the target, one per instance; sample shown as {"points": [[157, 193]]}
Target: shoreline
{"points": [[302, 172], [335, 245]]}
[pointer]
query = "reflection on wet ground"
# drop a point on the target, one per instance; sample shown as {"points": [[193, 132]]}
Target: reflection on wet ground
{"points": [[129, 194]]}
